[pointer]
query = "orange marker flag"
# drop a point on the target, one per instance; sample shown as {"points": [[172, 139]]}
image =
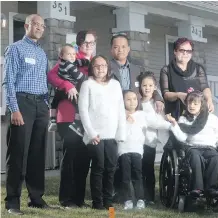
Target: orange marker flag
{"points": [[111, 212]]}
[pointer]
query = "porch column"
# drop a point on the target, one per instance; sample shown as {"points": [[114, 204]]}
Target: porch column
{"points": [[131, 20], [193, 30], [59, 26], [59, 31]]}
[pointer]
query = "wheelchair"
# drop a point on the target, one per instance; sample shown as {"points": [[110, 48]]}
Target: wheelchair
{"points": [[175, 181]]}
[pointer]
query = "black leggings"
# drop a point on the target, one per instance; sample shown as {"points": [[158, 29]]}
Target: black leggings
{"points": [[74, 167], [148, 174], [104, 161]]}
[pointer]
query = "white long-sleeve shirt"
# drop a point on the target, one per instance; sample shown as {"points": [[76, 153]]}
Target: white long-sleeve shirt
{"points": [[207, 136], [155, 137], [137, 131], [101, 109]]}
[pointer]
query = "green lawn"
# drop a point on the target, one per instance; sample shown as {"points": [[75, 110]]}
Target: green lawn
{"points": [[51, 197]]}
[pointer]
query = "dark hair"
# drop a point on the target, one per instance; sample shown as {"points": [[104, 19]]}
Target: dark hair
{"points": [[193, 96], [90, 68], [127, 91], [119, 35], [180, 41], [63, 47], [142, 76], [81, 36]]}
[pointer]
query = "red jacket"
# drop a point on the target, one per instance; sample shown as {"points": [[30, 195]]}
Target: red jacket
{"points": [[65, 110]]}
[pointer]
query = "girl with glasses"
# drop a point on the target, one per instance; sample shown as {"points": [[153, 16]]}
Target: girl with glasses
{"points": [[102, 114]]}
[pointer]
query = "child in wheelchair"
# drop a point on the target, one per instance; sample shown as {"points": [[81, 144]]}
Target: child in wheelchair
{"points": [[197, 129]]}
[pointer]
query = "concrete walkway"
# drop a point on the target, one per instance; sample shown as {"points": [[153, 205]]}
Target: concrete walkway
{"points": [[48, 173]]}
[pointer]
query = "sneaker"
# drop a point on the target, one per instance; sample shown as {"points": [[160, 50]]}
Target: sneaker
{"points": [[71, 206], [140, 204], [77, 127], [128, 205], [52, 127]]}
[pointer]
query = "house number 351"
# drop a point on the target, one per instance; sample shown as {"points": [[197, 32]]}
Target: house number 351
{"points": [[59, 7], [197, 31]]}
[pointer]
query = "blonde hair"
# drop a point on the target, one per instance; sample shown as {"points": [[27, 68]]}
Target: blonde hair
{"points": [[61, 51]]}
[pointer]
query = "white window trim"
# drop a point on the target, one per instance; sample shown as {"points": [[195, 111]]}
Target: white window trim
{"points": [[168, 39]]}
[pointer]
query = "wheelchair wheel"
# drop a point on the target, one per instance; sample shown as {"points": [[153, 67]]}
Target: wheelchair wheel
{"points": [[181, 205], [169, 178]]}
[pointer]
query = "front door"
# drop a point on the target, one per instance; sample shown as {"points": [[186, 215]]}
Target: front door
{"points": [[169, 47]]}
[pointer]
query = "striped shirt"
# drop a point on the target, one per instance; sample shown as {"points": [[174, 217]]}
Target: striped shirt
{"points": [[25, 69], [69, 71], [125, 77]]}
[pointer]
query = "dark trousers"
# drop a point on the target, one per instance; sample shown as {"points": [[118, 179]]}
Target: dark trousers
{"points": [[117, 182], [104, 161], [131, 171], [25, 158], [74, 167], [204, 165], [148, 175]]}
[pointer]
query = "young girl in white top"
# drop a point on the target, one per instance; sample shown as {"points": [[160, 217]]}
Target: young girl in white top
{"points": [[130, 152], [102, 114], [198, 130], [154, 138]]}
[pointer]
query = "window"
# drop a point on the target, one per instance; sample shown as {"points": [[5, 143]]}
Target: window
{"points": [[169, 48], [19, 31]]}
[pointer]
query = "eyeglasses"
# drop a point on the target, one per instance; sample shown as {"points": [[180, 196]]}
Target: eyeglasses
{"points": [[100, 66], [89, 43], [36, 24], [183, 51]]}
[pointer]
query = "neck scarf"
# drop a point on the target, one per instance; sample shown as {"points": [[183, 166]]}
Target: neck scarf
{"points": [[198, 124]]}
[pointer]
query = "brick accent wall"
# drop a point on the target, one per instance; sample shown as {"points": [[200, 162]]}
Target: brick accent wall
{"points": [[55, 37], [139, 49]]}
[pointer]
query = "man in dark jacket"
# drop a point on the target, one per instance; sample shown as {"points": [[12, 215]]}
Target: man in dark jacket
{"points": [[126, 73]]}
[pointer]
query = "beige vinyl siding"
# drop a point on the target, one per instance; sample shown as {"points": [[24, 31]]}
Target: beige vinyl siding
{"points": [[157, 50], [211, 53], [101, 20]]}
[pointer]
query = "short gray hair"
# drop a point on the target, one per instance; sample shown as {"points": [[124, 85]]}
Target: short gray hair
{"points": [[30, 18]]}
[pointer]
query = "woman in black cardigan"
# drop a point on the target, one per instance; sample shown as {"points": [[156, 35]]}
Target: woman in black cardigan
{"points": [[182, 76]]}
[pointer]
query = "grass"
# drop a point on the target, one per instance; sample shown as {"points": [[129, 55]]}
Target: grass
{"points": [[51, 197]]}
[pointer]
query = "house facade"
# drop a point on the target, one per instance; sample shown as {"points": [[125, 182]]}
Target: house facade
{"points": [[151, 26]]}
